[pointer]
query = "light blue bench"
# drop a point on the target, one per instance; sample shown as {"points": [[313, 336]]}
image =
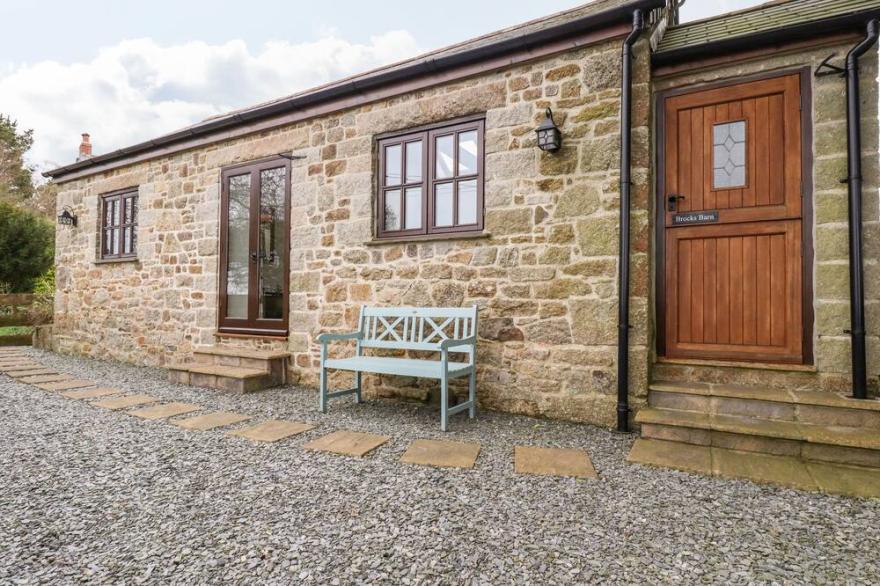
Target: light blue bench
{"points": [[443, 330]]}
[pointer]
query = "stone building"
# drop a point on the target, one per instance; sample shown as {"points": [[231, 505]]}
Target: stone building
{"points": [[422, 184]]}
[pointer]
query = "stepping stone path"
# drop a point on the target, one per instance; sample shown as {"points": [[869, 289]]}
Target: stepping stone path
{"points": [[29, 371], [65, 385], [45, 378], [553, 462], [272, 431], [347, 443], [163, 411], [211, 420], [124, 402], [91, 393], [441, 454]]}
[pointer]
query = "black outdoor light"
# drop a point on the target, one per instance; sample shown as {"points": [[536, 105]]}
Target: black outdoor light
{"points": [[65, 218], [549, 137]]}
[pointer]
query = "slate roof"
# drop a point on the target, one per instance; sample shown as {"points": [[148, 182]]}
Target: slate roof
{"points": [[764, 18]]}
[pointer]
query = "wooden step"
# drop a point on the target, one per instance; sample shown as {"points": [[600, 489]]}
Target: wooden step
{"points": [[785, 471], [803, 406], [227, 378], [815, 442]]}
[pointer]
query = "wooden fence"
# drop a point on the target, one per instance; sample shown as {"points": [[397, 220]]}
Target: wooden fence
{"points": [[14, 312]]}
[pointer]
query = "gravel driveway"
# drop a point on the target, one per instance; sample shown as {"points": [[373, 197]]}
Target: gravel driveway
{"points": [[99, 496]]}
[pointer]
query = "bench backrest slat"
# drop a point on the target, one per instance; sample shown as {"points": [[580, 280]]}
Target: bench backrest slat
{"points": [[416, 328]]}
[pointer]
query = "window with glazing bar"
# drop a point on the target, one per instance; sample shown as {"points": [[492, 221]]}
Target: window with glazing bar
{"points": [[431, 181], [119, 212]]}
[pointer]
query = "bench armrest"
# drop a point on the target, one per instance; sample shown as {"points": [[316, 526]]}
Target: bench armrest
{"points": [[471, 341], [324, 338]]}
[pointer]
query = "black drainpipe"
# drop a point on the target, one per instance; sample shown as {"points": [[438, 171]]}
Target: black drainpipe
{"points": [[854, 179], [625, 180]]}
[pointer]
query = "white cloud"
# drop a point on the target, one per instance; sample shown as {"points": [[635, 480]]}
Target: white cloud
{"points": [[137, 89]]}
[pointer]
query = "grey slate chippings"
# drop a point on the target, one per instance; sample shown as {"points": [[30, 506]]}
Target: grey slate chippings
{"points": [[92, 495]]}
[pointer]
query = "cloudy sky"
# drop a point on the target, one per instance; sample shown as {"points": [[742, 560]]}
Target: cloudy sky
{"points": [[129, 71]]}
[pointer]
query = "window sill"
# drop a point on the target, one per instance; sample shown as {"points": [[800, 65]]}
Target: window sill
{"points": [[430, 238], [107, 261]]}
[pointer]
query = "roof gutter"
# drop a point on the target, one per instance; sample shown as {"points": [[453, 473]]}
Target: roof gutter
{"points": [[805, 31], [363, 84]]}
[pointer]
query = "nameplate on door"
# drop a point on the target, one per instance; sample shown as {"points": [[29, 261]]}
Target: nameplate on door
{"points": [[695, 218]]}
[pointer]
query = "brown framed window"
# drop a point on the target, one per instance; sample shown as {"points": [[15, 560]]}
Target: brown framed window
{"points": [[431, 181], [119, 216]]}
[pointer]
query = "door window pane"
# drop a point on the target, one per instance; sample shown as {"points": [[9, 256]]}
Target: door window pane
{"points": [[238, 246], [467, 153], [729, 155], [392, 209], [413, 208], [414, 162], [467, 202], [271, 243], [126, 241], [443, 204], [392, 165], [444, 156]]}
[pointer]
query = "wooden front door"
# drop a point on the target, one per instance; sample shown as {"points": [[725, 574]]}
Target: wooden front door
{"points": [[733, 223], [254, 248]]}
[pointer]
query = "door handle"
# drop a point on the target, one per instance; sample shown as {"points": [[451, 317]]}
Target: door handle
{"points": [[672, 201]]}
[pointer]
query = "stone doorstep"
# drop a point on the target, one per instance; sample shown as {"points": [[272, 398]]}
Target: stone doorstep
{"points": [[761, 468], [553, 462], [126, 401], [272, 431], [758, 393], [441, 454], [164, 410], [211, 420], [220, 370], [66, 385], [851, 437], [347, 443], [45, 378], [241, 352], [90, 393]]}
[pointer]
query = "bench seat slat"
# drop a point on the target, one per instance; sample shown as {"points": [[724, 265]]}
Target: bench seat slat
{"points": [[398, 366]]}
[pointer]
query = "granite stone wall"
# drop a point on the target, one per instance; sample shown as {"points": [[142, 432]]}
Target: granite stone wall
{"points": [[544, 274]]}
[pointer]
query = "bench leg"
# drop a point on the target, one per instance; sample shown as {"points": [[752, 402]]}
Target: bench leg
{"points": [[357, 394], [472, 394], [444, 403], [322, 401]]}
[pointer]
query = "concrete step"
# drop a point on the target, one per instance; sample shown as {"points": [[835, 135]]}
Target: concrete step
{"points": [[788, 471], [227, 378], [271, 361], [813, 442], [803, 406]]}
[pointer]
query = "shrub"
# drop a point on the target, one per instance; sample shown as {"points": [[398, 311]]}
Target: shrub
{"points": [[26, 248]]}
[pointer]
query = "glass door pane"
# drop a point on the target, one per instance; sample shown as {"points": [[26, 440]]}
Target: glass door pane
{"points": [[271, 243], [238, 246]]}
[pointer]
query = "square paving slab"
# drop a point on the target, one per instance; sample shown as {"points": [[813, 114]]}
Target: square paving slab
{"points": [[10, 366], [347, 443], [212, 420], [65, 385], [441, 454], [272, 431], [166, 410], [45, 378], [553, 462], [123, 402], [91, 393]]}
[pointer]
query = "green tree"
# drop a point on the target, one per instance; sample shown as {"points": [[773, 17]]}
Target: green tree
{"points": [[26, 248], [16, 177]]}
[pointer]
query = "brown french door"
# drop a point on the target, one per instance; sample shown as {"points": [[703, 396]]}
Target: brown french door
{"points": [[255, 247], [733, 241]]}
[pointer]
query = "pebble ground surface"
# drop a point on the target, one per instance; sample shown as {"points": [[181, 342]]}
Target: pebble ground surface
{"points": [[94, 496]]}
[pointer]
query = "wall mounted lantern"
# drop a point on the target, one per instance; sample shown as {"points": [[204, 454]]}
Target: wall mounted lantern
{"points": [[66, 218], [549, 137]]}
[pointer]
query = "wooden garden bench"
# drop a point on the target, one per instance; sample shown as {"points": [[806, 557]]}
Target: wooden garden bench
{"points": [[443, 330]]}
